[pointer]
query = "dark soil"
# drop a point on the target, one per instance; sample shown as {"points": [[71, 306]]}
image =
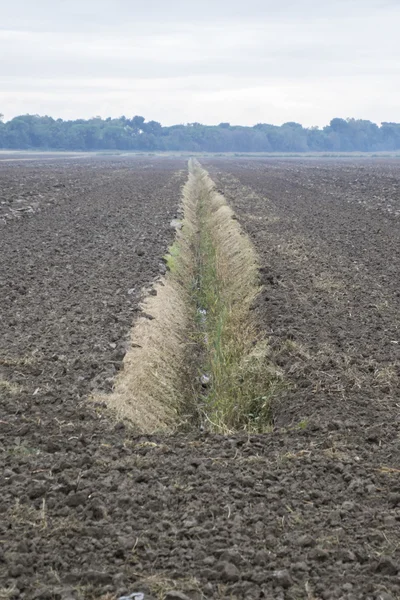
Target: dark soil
{"points": [[23, 196], [89, 509]]}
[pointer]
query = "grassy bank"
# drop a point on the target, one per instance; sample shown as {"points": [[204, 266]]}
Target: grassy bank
{"points": [[196, 355], [240, 380]]}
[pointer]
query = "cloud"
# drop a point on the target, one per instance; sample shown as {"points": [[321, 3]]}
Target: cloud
{"points": [[215, 61]]}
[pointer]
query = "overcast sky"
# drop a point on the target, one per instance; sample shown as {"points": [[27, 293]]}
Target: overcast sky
{"points": [[242, 61]]}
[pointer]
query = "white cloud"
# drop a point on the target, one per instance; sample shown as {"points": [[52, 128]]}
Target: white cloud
{"points": [[218, 61]]}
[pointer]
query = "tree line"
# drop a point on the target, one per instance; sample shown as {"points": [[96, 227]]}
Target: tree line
{"points": [[28, 132]]}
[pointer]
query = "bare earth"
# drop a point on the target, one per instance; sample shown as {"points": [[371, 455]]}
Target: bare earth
{"points": [[89, 509]]}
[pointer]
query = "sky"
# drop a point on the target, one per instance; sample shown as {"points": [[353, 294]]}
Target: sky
{"points": [[179, 61]]}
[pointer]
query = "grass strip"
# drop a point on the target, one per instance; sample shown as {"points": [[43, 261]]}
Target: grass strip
{"points": [[242, 381], [197, 355]]}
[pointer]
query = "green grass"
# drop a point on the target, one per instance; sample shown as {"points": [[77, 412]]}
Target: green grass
{"points": [[242, 380], [172, 257]]}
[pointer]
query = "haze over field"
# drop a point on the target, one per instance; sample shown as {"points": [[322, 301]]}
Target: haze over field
{"points": [[235, 61]]}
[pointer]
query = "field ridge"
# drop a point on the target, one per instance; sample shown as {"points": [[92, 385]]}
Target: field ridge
{"points": [[196, 355]]}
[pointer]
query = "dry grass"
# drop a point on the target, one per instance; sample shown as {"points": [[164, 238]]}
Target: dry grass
{"points": [[160, 584], [22, 361], [153, 389], [149, 390], [9, 387], [387, 375], [294, 250], [7, 592], [26, 515], [326, 283]]}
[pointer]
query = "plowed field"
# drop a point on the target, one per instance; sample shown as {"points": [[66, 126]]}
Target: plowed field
{"points": [[91, 509]]}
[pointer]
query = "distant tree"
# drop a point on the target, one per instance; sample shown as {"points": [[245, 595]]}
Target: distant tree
{"points": [[153, 127], [137, 123], [260, 142], [339, 125], [390, 136], [33, 131], [293, 125], [316, 139]]}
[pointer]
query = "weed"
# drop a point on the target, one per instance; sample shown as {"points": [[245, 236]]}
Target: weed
{"points": [[8, 386], [172, 257], [23, 514], [160, 584], [7, 592], [242, 381], [23, 361], [22, 450]]}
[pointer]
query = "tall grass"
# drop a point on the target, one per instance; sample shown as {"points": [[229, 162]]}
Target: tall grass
{"points": [[242, 381], [200, 323]]}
